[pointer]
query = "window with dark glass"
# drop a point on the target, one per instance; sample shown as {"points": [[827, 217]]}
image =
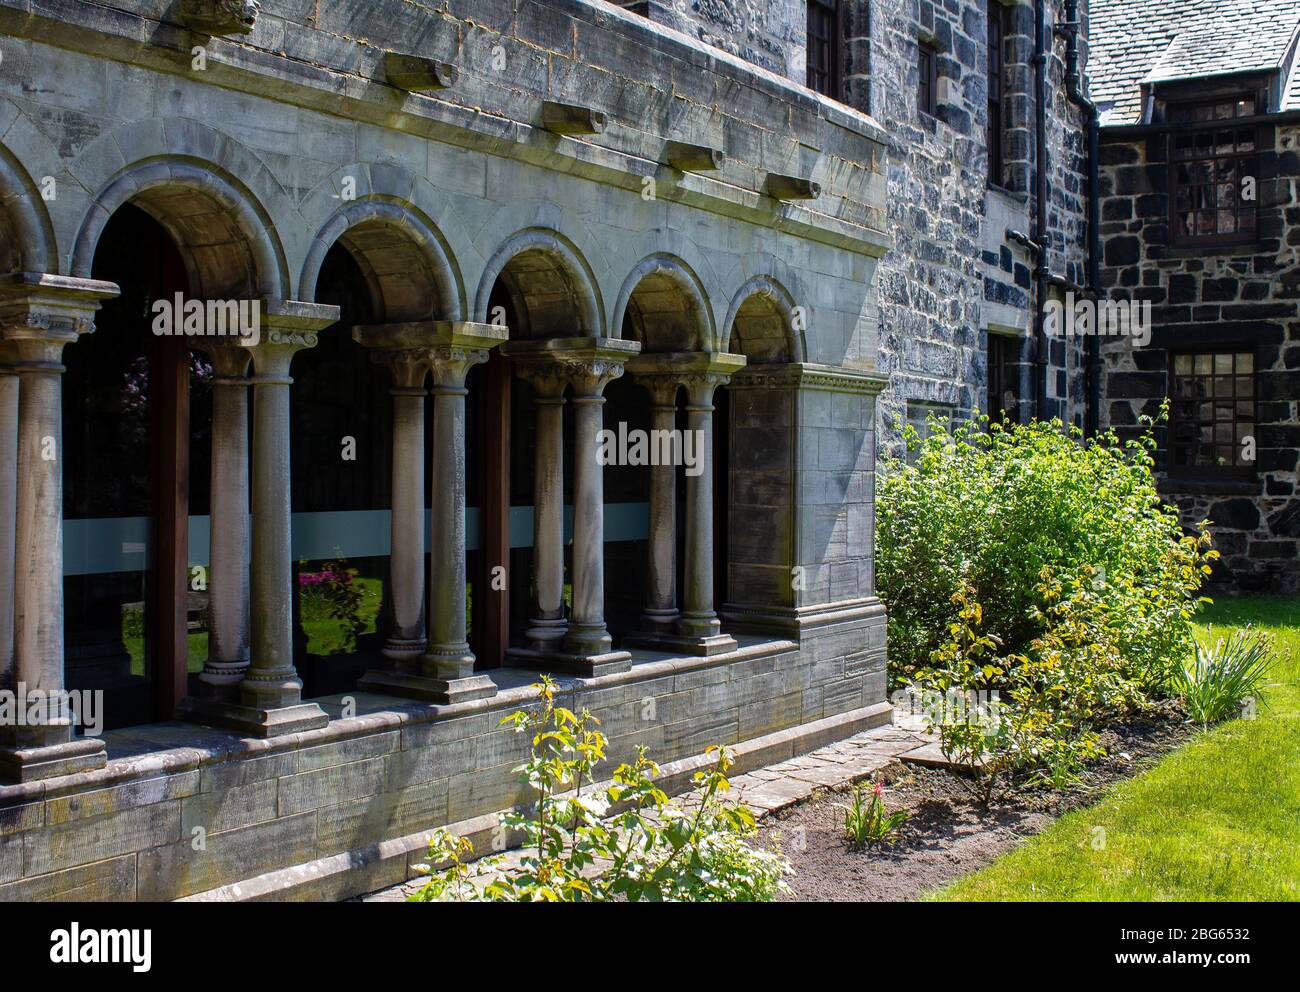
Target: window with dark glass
{"points": [[926, 61], [1215, 166], [1004, 377], [1212, 413], [997, 31], [824, 47]]}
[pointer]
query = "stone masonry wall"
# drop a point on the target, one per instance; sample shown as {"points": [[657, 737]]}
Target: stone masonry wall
{"points": [[182, 810], [1247, 297], [765, 33], [952, 273]]}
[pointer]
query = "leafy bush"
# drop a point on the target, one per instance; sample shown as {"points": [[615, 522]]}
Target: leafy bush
{"points": [[1217, 682], [867, 821], [334, 593], [622, 840], [986, 509]]}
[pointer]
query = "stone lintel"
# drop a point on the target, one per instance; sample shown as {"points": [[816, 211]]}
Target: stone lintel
{"points": [[808, 375], [297, 316], [416, 334], [680, 364]]}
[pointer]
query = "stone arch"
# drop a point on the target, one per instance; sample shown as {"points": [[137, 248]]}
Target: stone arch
{"points": [[663, 305], [27, 239], [761, 324], [550, 284], [403, 256], [226, 237]]}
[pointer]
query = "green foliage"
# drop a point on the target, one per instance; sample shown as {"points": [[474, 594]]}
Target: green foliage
{"points": [[1221, 680], [335, 593], [623, 840], [867, 821], [989, 506]]}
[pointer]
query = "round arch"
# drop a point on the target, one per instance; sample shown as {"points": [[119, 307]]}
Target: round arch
{"points": [[761, 324], [664, 302], [403, 256], [25, 228], [549, 283], [226, 237]]}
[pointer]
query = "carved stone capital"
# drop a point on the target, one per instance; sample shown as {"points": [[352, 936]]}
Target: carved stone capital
{"points": [[447, 349], [698, 372], [288, 326], [586, 364], [41, 313]]}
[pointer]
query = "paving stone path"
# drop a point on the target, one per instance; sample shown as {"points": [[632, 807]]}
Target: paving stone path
{"points": [[774, 787]]}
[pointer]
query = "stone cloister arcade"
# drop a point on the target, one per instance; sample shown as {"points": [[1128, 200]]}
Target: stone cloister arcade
{"points": [[454, 298], [662, 330]]}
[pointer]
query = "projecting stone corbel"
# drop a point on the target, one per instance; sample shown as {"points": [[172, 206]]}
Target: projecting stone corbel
{"points": [[568, 118], [694, 158], [418, 75], [216, 18], [792, 188]]}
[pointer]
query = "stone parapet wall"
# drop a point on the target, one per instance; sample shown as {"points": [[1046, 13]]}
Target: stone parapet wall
{"points": [[182, 810]]}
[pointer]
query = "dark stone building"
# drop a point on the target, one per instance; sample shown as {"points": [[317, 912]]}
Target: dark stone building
{"points": [[1200, 217]]}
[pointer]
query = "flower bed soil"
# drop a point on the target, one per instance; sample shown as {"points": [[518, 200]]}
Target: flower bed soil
{"points": [[949, 833]]}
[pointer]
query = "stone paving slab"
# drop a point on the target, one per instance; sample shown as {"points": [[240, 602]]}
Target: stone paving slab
{"points": [[766, 790]]}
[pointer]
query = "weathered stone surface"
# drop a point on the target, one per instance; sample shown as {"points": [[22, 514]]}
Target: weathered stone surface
{"points": [[331, 785], [84, 805], [175, 870], [103, 881], [101, 838]]}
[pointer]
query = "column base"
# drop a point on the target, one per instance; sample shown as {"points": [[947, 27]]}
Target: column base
{"points": [[20, 764], [404, 654], [252, 721], [704, 647], [546, 634], [428, 687], [587, 666], [219, 681]]}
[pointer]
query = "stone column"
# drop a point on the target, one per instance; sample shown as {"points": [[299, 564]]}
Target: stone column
{"points": [[698, 624], [448, 350], [8, 505], [228, 616], [406, 640], [660, 615], [548, 626], [39, 315], [587, 364], [270, 693]]}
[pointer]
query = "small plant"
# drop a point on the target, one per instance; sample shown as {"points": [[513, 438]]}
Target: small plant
{"points": [[867, 821], [622, 840], [1216, 682]]}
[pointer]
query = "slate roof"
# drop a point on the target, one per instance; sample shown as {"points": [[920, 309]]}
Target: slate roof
{"points": [[1149, 41]]}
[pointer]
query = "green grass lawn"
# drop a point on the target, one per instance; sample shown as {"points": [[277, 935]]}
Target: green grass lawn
{"points": [[1218, 819]]}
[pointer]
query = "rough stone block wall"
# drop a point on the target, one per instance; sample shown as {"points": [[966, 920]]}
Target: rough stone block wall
{"points": [[767, 33], [1246, 297], [952, 272]]}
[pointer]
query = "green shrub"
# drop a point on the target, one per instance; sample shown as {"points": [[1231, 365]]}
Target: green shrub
{"points": [[986, 509], [622, 840], [1219, 681]]}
